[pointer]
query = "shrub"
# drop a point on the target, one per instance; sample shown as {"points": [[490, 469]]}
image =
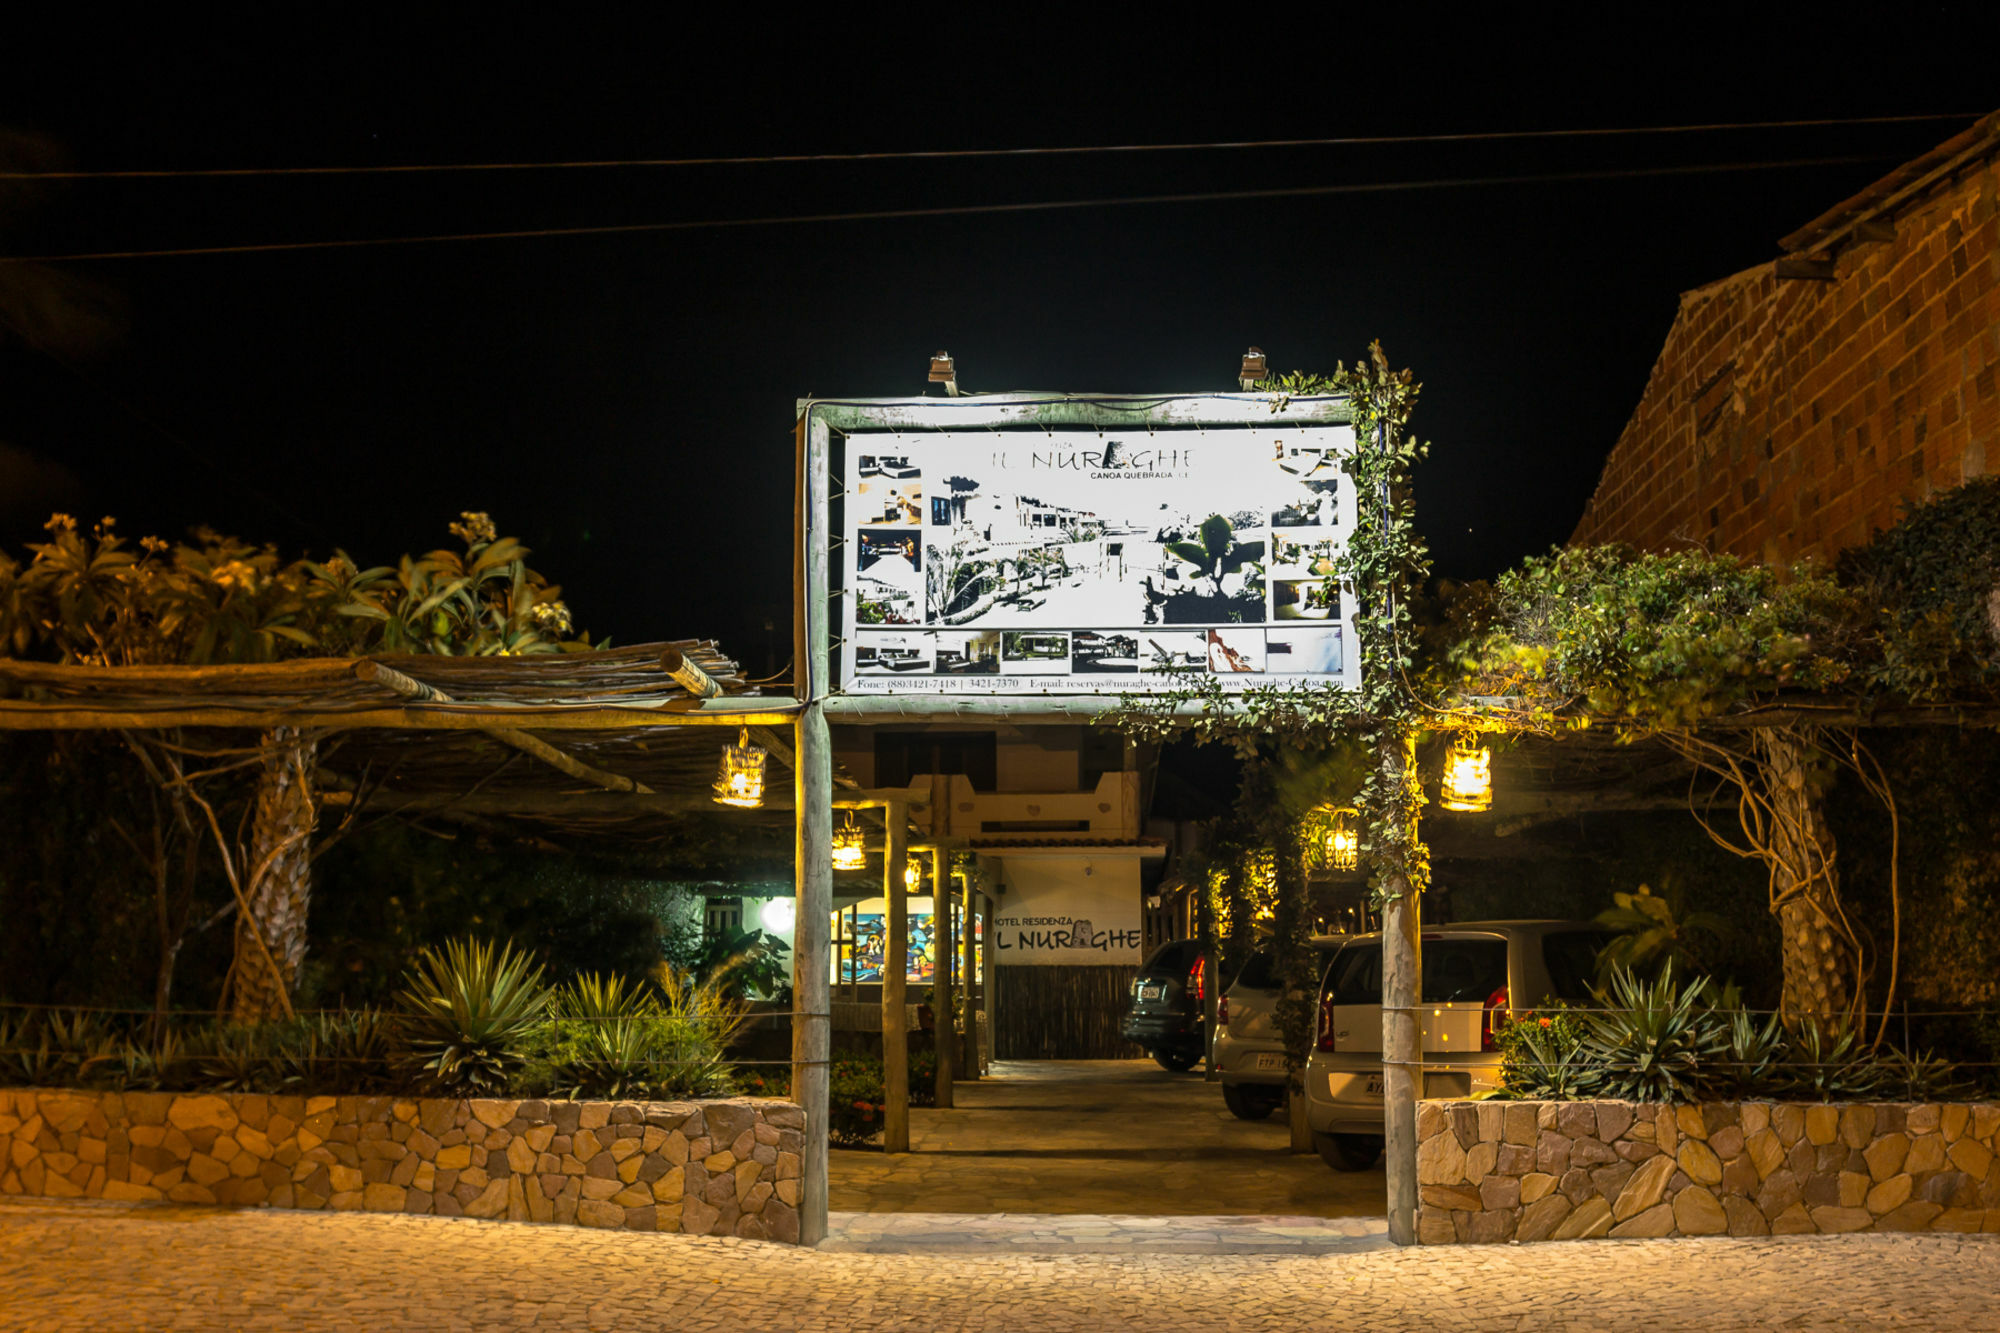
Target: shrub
{"points": [[469, 1016], [1651, 1038], [1542, 1056], [604, 1038]]}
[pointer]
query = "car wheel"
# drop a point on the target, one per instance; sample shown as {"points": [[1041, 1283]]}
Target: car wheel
{"points": [[1246, 1102], [1348, 1152], [1178, 1062]]}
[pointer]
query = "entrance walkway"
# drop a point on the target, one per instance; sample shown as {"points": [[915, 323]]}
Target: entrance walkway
{"points": [[1105, 1137]]}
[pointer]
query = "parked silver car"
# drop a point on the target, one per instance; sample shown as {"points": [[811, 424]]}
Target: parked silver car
{"points": [[1474, 975], [1249, 1050]]}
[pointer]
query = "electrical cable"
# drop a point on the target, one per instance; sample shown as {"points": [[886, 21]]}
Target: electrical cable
{"points": [[1487, 136], [960, 210]]}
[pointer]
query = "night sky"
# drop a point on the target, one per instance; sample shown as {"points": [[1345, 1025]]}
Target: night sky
{"points": [[624, 403]]}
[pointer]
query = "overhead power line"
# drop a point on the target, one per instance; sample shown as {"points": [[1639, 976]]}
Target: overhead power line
{"points": [[931, 154], [956, 210]]}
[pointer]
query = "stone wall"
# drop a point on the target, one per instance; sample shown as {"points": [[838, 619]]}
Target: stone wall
{"points": [[1790, 417], [1504, 1171], [704, 1168]]}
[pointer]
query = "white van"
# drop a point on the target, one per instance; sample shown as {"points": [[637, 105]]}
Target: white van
{"points": [[1474, 975]]}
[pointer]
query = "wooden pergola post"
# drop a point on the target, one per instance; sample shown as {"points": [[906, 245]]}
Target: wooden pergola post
{"points": [[943, 1034], [812, 769], [968, 975], [1402, 984], [895, 966]]}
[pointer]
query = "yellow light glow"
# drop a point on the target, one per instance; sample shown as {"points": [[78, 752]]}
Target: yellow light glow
{"points": [[740, 780], [913, 874], [1343, 844], [848, 852], [1468, 778]]}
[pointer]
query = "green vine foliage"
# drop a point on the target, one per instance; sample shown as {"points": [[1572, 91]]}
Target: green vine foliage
{"points": [[1314, 748]]}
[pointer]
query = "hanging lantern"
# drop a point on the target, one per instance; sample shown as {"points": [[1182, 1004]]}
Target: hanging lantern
{"points": [[1468, 777], [740, 780], [1343, 844], [848, 853], [913, 874]]}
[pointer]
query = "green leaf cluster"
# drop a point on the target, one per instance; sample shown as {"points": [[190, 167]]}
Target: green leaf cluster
{"points": [[92, 597]]}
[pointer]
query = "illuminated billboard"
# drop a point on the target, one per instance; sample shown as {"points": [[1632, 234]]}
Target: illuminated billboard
{"points": [[1075, 562]]}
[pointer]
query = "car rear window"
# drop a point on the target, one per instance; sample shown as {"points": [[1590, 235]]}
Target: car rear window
{"points": [[1261, 972], [1453, 970], [1571, 957], [1177, 956]]}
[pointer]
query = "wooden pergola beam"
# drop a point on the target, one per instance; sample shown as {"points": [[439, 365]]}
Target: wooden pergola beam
{"points": [[19, 715], [411, 688]]}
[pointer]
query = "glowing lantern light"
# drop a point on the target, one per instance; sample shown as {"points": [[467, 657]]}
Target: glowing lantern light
{"points": [[848, 853], [913, 874], [1343, 845], [740, 781], [1468, 777]]}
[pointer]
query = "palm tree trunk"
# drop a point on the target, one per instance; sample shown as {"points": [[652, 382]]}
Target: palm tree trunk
{"points": [[278, 879], [1821, 961]]}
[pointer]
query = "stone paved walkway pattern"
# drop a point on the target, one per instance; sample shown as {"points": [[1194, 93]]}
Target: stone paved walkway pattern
{"points": [[89, 1266], [1097, 1136]]}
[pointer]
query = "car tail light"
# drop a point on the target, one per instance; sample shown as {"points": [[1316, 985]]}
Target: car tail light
{"points": [[1489, 1026], [1326, 1038], [1222, 1011], [1197, 976]]}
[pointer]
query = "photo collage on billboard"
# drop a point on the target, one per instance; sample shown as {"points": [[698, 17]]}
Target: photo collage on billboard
{"points": [[1072, 562]]}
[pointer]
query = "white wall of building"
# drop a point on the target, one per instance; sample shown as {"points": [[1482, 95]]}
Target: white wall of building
{"points": [[1068, 910]]}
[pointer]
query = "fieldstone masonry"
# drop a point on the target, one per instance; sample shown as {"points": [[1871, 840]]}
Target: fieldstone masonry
{"points": [[719, 1168], [1505, 1171]]}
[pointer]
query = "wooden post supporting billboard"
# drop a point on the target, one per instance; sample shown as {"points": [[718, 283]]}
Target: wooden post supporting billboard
{"points": [[812, 1003], [895, 966], [1402, 985]]}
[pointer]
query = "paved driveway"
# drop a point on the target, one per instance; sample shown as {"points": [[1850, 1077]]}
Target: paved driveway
{"points": [[89, 1266], [1097, 1136]]}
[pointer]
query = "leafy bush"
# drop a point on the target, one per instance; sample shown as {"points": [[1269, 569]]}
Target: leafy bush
{"points": [[469, 1015], [1542, 1056], [856, 1100]]}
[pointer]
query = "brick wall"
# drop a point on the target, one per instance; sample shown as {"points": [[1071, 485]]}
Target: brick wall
{"points": [[1793, 418]]}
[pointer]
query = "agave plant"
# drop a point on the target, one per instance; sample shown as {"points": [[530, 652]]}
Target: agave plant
{"points": [[52, 1049], [1748, 1057], [609, 1037], [1922, 1076], [1650, 1039], [1830, 1064], [346, 1051], [244, 1057], [469, 1013]]}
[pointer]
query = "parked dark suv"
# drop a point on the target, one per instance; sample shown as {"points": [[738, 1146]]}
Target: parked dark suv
{"points": [[1167, 1014]]}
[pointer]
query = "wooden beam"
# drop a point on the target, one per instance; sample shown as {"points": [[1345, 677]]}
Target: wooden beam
{"points": [[411, 688], [1801, 266], [552, 804], [689, 676], [735, 711]]}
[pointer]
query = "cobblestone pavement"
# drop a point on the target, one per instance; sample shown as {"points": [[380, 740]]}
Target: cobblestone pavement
{"points": [[149, 1266], [1097, 1136]]}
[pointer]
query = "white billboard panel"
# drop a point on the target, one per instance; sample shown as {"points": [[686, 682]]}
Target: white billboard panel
{"points": [[1080, 562]]}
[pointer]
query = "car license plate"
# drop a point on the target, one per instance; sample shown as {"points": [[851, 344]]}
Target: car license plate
{"points": [[1151, 992], [1374, 1085], [1269, 1060]]}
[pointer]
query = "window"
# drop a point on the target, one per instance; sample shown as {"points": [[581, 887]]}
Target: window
{"points": [[1454, 970], [1260, 972], [723, 917]]}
